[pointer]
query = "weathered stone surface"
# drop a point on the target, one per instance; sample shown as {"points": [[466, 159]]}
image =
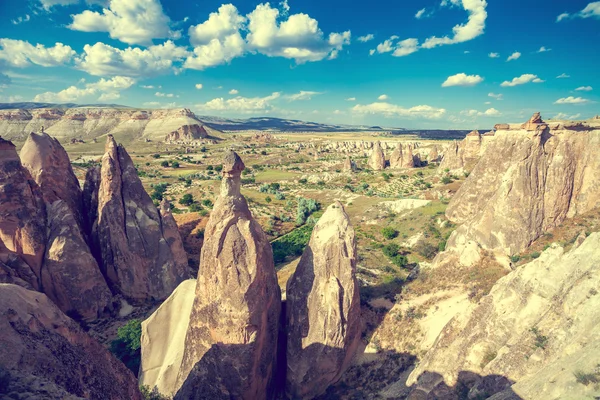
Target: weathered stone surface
{"points": [[434, 155], [70, 276], [537, 327], [396, 157], [377, 158], [534, 123], [349, 165], [231, 343], [323, 308], [463, 156], [187, 133], [39, 341], [22, 222], [408, 160], [136, 257], [171, 234], [163, 340]]}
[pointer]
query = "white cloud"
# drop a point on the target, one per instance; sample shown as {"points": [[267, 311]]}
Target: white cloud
{"points": [[490, 112], [563, 75], [521, 80], [102, 59], [391, 110], [462, 33], [383, 97], [351, 99], [462, 79], [47, 4], [366, 38], [20, 20], [108, 89], [487, 103], [572, 100], [566, 116], [221, 24], [160, 94], [199, 86], [298, 37], [19, 53], [302, 95], [147, 87], [216, 52], [493, 55], [514, 56], [130, 21], [420, 13], [585, 88], [466, 52], [543, 49], [496, 96], [400, 49], [592, 10], [233, 91], [240, 104]]}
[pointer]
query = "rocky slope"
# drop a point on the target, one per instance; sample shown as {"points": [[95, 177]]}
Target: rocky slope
{"points": [[462, 156], [46, 355], [538, 327], [323, 308]]}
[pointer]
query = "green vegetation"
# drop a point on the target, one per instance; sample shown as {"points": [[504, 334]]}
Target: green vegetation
{"points": [[292, 244], [186, 200], [540, 341], [389, 233], [164, 164], [158, 191], [152, 394], [305, 208], [488, 357], [392, 251], [175, 164], [127, 346], [587, 378]]}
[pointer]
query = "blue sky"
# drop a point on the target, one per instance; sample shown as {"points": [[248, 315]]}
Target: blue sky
{"points": [[416, 64]]}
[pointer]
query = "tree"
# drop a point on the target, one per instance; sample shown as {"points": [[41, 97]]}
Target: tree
{"points": [[128, 344], [389, 233], [164, 164], [175, 164], [186, 200]]}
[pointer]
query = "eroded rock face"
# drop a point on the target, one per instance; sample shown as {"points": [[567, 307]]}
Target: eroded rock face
{"points": [[22, 222], [137, 258], [535, 123], [323, 308], [40, 343], [408, 159], [463, 156], [537, 327], [434, 155], [187, 133], [70, 276], [349, 165], [396, 157], [231, 343], [377, 159]]}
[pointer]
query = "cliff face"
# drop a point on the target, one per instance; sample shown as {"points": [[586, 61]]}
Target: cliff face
{"points": [[537, 327], [463, 156], [526, 182], [88, 122]]}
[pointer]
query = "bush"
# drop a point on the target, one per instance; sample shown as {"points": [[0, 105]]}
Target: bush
{"points": [[151, 394], [535, 255], [186, 200], [446, 180], [515, 259], [207, 203], [305, 208], [392, 251], [540, 341], [164, 164], [389, 232], [426, 250], [292, 244], [586, 378], [268, 199], [156, 155], [158, 191], [175, 164], [195, 207], [127, 346], [279, 196], [199, 234]]}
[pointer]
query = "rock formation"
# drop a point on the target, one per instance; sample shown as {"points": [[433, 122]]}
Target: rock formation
{"points": [[526, 183], [408, 160], [377, 159], [163, 340], [396, 157], [70, 274], [463, 156], [323, 308], [535, 123], [537, 327], [136, 257], [44, 351], [231, 343], [187, 133], [22, 222], [434, 155], [349, 165]]}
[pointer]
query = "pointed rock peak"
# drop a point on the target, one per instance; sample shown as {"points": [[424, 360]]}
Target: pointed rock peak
{"points": [[534, 123], [232, 170], [7, 150], [536, 118], [474, 133], [110, 143], [165, 207], [335, 215]]}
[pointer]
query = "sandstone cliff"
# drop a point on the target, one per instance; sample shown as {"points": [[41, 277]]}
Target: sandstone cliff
{"points": [[463, 156], [323, 308], [538, 327], [40, 345], [231, 343], [136, 257], [377, 158], [187, 133]]}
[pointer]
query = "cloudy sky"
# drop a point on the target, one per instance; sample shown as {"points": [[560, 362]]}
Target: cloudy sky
{"points": [[416, 64]]}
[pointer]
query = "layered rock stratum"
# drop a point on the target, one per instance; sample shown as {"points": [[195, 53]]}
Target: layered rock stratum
{"points": [[187, 133], [323, 308], [231, 342]]}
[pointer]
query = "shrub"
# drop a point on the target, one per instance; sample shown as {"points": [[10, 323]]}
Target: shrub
{"points": [[151, 394], [158, 191], [207, 203], [268, 199], [426, 250], [164, 164], [303, 181], [199, 234], [586, 378], [389, 232], [540, 341], [156, 155], [292, 244], [195, 207], [127, 346], [392, 251], [535, 255], [515, 259], [186, 200], [446, 180], [175, 164], [279, 196]]}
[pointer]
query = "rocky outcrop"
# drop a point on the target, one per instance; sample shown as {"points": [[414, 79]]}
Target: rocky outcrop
{"points": [[408, 159], [70, 274], [526, 183], [187, 133], [537, 327], [40, 345], [163, 340], [377, 158], [136, 257], [434, 155], [323, 308], [463, 156], [349, 165], [535, 123], [22, 222], [231, 343], [396, 159]]}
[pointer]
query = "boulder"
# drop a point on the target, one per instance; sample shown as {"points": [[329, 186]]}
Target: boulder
{"points": [[377, 158], [231, 342], [39, 345], [323, 308]]}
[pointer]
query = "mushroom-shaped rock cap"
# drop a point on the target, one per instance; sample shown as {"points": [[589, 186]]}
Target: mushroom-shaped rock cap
{"points": [[110, 142], [232, 164]]}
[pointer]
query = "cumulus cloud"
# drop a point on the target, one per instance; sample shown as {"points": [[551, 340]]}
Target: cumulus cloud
{"points": [[383, 97], [584, 88], [490, 112], [130, 21], [160, 94], [20, 20], [496, 96], [395, 111], [19, 53], [366, 38], [302, 95], [473, 28], [592, 10], [233, 91], [572, 100], [102, 59], [398, 49], [493, 55], [219, 25], [351, 99], [566, 116], [462, 79], [521, 80], [514, 56], [108, 89], [147, 86], [199, 86], [240, 104], [420, 13], [543, 49], [563, 76]]}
